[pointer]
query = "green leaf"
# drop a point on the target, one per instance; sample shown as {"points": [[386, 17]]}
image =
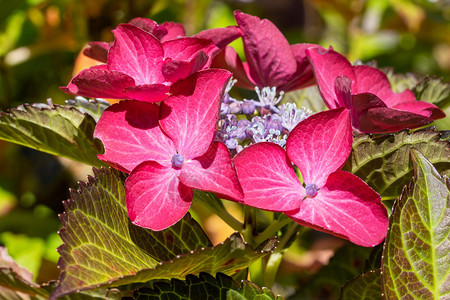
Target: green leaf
{"points": [[416, 257], [53, 129], [93, 107], [229, 257], [433, 90], [366, 286], [384, 163], [204, 287], [102, 245], [11, 283]]}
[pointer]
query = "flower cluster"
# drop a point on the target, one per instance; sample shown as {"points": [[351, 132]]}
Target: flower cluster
{"points": [[179, 127]]}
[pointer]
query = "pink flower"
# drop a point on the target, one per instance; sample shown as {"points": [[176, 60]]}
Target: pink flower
{"points": [[165, 32], [141, 67], [331, 200], [169, 149], [366, 91], [271, 61]]}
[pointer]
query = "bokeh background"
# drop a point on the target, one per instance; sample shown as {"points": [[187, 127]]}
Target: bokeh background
{"points": [[40, 41]]}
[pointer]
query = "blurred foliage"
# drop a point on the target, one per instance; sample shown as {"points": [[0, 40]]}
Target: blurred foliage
{"points": [[40, 40]]}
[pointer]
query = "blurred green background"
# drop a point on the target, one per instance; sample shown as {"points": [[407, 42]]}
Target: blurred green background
{"points": [[40, 40]]}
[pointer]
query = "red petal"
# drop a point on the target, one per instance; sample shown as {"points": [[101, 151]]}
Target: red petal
{"points": [[212, 172], [189, 117], [346, 207], [422, 108], [303, 76], [397, 98], [267, 51], [131, 135], [221, 37], [321, 144], [267, 178], [148, 92], [327, 67], [176, 70], [372, 80], [97, 51], [150, 26], [97, 82], [136, 53], [156, 199], [186, 49], [174, 31], [384, 120]]}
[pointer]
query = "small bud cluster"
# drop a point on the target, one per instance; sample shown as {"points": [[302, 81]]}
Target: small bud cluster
{"points": [[247, 122]]}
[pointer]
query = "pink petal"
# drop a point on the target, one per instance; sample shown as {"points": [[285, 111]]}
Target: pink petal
{"points": [[372, 80], [131, 135], [346, 207], [384, 120], [360, 104], [156, 199], [221, 37], [150, 26], [303, 76], [321, 144], [97, 51], [186, 49], [174, 31], [422, 108], [228, 59], [148, 92], [267, 51], [212, 172], [189, 117], [267, 178], [136, 53], [97, 82], [174, 70], [327, 67], [397, 98]]}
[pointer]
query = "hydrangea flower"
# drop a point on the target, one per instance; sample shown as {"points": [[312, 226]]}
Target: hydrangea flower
{"points": [[330, 200], [271, 61], [169, 149], [165, 32], [366, 91], [141, 67]]}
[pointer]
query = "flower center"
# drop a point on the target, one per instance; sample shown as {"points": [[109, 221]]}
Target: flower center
{"points": [[177, 160], [311, 190]]}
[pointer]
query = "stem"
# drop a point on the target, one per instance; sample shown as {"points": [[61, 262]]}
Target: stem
{"points": [[256, 270], [214, 204], [277, 256], [272, 229]]}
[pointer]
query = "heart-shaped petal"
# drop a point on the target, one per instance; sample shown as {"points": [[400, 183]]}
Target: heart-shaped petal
{"points": [[267, 51], [267, 178], [156, 199], [320, 144], [136, 53], [189, 117]]}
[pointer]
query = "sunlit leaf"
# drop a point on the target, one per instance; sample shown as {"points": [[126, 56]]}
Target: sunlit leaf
{"points": [[53, 129], [416, 260], [384, 162], [102, 245], [366, 286], [93, 107], [433, 90], [204, 286]]}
